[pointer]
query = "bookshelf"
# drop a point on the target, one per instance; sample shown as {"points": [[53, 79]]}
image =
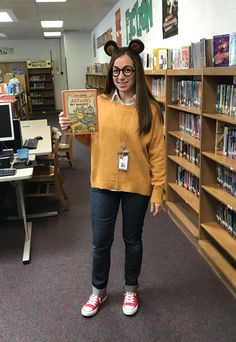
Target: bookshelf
{"points": [[196, 213], [95, 81], [41, 90], [183, 116], [215, 240]]}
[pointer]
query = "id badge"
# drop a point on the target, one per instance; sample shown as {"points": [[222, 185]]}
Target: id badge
{"points": [[123, 161]]}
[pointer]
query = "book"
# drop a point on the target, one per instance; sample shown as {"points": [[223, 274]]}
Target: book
{"points": [[163, 58], [221, 50], [232, 48], [176, 58], [184, 63], [81, 107]]}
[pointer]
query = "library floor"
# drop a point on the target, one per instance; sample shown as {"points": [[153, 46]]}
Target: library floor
{"points": [[181, 297]]}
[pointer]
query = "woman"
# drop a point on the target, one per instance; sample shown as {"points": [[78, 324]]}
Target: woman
{"points": [[127, 169]]}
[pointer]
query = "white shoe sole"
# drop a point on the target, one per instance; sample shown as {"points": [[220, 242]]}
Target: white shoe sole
{"points": [[130, 312], [86, 313]]}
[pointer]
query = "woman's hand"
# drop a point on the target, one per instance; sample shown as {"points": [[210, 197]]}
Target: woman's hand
{"points": [[155, 208], [64, 121]]}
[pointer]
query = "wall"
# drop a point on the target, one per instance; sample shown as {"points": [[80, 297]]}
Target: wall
{"points": [[197, 19], [40, 49], [78, 56]]}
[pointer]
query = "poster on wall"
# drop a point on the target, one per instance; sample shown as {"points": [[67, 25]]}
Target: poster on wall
{"points": [[101, 41], [118, 28], [169, 18]]}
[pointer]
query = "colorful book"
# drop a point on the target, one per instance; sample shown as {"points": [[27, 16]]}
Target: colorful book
{"points": [[185, 54], [81, 107], [221, 50]]}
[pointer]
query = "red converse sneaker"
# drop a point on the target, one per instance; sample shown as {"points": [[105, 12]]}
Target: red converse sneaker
{"points": [[92, 305], [130, 304]]}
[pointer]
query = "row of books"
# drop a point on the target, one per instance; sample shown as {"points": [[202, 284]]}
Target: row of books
{"points": [[229, 142], [100, 68], [187, 151], [158, 87], [226, 218], [186, 92], [190, 124], [220, 50], [226, 179], [226, 98], [187, 180]]}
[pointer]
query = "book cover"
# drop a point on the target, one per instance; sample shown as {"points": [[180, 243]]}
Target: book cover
{"points": [[221, 50], [176, 58], [232, 48], [184, 64], [81, 107], [163, 58]]}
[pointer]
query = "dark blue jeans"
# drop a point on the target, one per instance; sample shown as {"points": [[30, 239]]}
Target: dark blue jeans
{"points": [[105, 205]]}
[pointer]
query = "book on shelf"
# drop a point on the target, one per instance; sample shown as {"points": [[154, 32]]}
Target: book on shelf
{"points": [[80, 106], [201, 53], [185, 56], [221, 50], [163, 57], [232, 48], [176, 58], [195, 55]]}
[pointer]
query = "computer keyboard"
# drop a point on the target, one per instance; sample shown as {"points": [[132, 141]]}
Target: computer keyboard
{"points": [[31, 143], [7, 172]]}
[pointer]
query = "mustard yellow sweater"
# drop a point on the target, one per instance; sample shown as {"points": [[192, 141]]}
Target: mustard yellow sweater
{"points": [[117, 125]]}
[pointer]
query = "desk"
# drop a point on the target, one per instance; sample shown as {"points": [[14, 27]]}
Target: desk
{"points": [[38, 123], [18, 178], [44, 147]]}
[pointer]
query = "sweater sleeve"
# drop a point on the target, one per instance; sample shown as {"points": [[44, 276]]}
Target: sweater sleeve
{"points": [[157, 161]]}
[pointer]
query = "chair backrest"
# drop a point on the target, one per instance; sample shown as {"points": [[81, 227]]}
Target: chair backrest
{"points": [[54, 135], [56, 142]]}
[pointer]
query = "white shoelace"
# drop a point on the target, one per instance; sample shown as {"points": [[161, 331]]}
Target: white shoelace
{"points": [[130, 297], [94, 300]]}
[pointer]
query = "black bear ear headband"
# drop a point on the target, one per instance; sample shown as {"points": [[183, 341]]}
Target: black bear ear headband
{"points": [[136, 45]]}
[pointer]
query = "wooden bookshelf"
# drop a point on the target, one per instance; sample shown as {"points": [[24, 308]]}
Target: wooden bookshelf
{"points": [[216, 243], [195, 215], [41, 88]]}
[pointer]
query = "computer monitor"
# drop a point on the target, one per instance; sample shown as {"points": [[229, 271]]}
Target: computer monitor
{"points": [[17, 143], [6, 125]]}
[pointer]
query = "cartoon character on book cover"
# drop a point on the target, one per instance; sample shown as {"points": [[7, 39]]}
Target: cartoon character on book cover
{"points": [[221, 50], [81, 107]]}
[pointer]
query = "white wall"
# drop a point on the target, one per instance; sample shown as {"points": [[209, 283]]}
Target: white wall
{"points": [[78, 56], [197, 19], [40, 49]]}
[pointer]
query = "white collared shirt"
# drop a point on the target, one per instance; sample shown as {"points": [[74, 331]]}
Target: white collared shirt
{"points": [[130, 101]]}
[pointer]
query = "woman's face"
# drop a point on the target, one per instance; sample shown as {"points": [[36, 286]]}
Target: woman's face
{"points": [[124, 80]]}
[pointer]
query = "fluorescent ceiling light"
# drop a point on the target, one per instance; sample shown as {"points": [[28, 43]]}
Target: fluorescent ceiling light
{"points": [[50, 0], [2, 35], [5, 17], [52, 34], [53, 23]]}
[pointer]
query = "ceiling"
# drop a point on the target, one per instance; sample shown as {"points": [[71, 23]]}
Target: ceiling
{"points": [[79, 16]]}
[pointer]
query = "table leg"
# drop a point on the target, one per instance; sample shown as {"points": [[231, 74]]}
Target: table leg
{"points": [[27, 225]]}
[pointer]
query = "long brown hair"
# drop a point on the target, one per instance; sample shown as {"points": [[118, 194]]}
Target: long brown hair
{"points": [[144, 97]]}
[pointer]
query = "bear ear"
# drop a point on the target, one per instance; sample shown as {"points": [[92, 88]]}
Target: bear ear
{"points": [[110, 47], [136, 45]]}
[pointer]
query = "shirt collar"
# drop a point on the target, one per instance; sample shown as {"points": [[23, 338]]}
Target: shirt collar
{"points": [[130, 101]]}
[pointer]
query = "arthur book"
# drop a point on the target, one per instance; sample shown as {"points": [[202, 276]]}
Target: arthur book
{"points": [[81, 107]]}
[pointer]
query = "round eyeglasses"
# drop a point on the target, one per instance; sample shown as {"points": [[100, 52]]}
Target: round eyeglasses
{"points": [[126, 71]]}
